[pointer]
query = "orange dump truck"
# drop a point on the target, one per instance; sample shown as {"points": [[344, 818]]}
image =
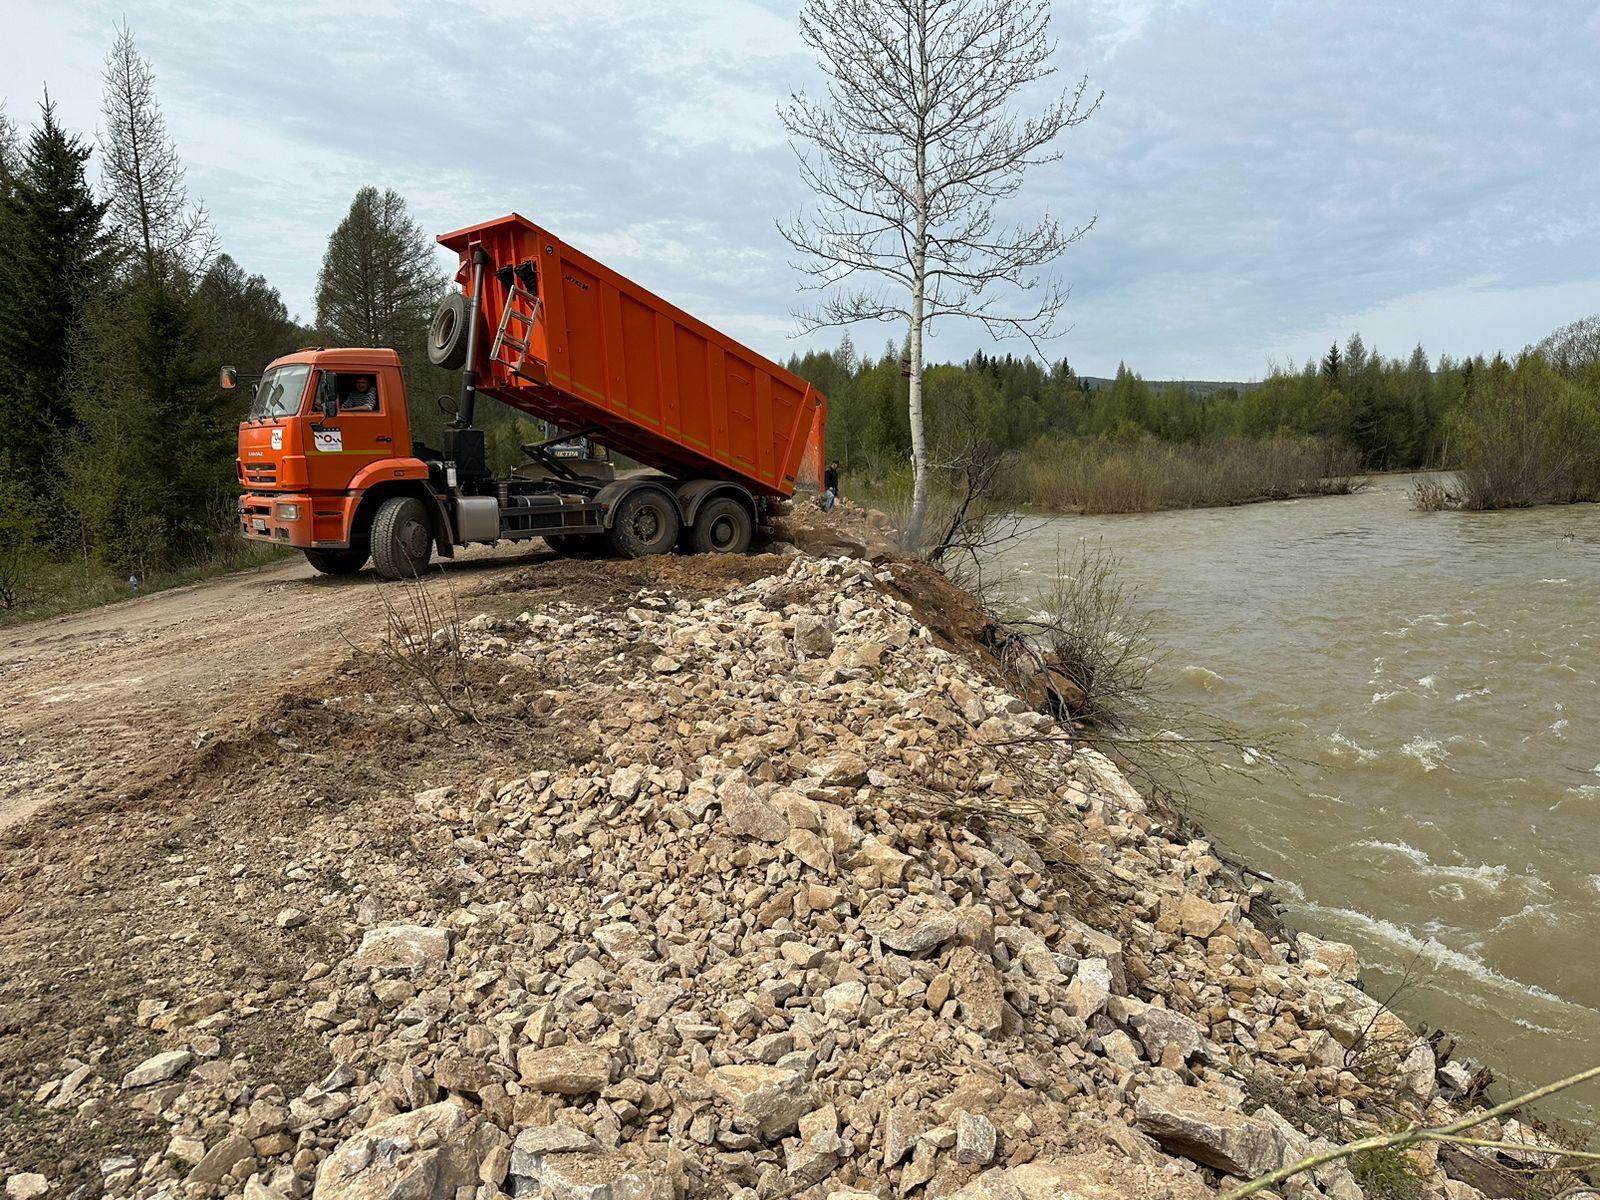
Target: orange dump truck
{"points": [[328, 464]]}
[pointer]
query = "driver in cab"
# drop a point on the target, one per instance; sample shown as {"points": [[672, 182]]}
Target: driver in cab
{"points": [[362, 397]]}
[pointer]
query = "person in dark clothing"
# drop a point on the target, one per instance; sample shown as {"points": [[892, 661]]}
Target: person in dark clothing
{"points": [[830, 487]]}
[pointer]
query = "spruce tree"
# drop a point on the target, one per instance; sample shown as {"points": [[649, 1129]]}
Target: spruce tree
{"points": [[378, 286], [8, 152], [153, 470], [54, 255]]}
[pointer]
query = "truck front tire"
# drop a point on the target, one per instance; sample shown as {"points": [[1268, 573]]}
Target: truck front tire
{"points": [[337, 562], [402, 543], [722, 526], [646, 523]]}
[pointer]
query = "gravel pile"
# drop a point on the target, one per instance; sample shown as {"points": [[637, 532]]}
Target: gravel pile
{"points": [[832, 915]]}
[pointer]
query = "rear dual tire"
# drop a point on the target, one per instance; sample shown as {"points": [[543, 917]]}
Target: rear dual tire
{"points": [[722, 526], [646, 522]]}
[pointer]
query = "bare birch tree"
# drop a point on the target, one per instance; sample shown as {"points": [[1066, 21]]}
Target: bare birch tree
{"points": [[912, 154], [143, 173]]}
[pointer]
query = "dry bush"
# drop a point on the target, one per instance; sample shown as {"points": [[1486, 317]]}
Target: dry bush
{"points": [[421, 647], [1094, 476], [1098, 636], [1431, 494], [1094, 648]]}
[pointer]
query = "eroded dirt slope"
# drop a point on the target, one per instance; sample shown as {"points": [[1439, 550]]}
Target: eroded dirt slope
{"points": [[99, 701]]}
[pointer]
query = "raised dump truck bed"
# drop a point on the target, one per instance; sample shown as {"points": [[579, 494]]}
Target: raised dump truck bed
{"points": [[567, 339], [328, 465]]}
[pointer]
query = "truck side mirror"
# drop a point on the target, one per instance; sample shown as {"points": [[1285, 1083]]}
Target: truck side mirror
{"points": [[228, 378], [330, 406]]}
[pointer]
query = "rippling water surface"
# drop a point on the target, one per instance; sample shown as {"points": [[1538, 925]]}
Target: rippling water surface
{"points": [[1440, 668]]}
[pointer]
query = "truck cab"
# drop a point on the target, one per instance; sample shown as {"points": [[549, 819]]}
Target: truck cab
{"points": [[326, 440]]}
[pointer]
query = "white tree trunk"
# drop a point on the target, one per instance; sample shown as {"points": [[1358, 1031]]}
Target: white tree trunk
{"points": [[919, 287], [919, 443]]}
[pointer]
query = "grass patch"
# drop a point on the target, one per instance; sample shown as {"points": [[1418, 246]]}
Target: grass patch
{"points": [[54, 589], [1387, 1175]]}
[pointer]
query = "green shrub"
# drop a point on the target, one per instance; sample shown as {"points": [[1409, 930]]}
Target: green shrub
{"points": [[1526, 434], [1387, 1175]]}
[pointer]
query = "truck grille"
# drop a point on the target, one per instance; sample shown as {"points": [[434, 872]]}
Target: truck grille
{"points": [[261, 473]]}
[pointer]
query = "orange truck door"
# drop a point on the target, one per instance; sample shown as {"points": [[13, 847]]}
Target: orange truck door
{"points": [[362, 431]]}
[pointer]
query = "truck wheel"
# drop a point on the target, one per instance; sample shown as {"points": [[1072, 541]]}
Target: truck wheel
{"points": [[402, 543], [337, 562], [646, 523], [447, 335], [723, 526]]}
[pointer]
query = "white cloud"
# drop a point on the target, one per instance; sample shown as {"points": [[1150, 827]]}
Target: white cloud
{"points": [[1266, 176]]}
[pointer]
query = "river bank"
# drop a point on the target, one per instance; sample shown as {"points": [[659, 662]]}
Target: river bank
{"points": [[737, 874], [1096, 476], [1436, 675]]}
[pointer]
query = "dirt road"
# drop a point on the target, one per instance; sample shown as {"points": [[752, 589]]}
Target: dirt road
{"points": [[96, 702]]}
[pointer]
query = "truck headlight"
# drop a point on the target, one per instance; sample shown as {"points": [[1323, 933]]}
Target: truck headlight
{"points": [[288, 512]]}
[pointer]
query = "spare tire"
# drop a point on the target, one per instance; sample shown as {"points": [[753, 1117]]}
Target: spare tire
{"points": [[447, 336]]}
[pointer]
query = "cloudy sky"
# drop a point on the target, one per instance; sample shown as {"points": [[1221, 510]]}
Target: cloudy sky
{"points": [[1266, 175]]}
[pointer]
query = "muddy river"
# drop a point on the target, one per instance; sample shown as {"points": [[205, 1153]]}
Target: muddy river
{"points": [[1440, 669]]}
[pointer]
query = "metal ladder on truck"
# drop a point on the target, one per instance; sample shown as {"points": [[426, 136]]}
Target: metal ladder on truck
{"points": [[521, 284]]}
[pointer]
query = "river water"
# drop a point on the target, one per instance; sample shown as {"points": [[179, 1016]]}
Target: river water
{"points": [[1440, 669]]}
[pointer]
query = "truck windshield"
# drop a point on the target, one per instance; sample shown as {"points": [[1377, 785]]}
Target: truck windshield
{"points": [[280, 391]]}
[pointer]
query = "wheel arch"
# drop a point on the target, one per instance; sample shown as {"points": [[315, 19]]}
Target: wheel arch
{"points": [[613, 494], [694, 494], [438, 518]]}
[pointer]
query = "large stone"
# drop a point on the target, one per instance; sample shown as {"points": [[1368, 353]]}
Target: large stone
{"points": [[234, 1155], [565, 1070], [624, 941], [544, 1140], [29, 1185], [900, 1130], [842, 768], [766, 1101], [878, 864], [1159, 1028], [1418, 1074], [403, 948], [915, 929], [1090, 988], [978, 991], [1337, 958], [748, 815], [1095, 1176], [1192, 915], [812, 1157], [1195, 1124], [975, 1139], [812, 637], [158, 1068], [809, 849], [421, 1155], [843, 1001], [633, 1173]]}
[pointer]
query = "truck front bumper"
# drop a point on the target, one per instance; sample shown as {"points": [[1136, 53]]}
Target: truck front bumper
{"points": [[295, 519]]}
